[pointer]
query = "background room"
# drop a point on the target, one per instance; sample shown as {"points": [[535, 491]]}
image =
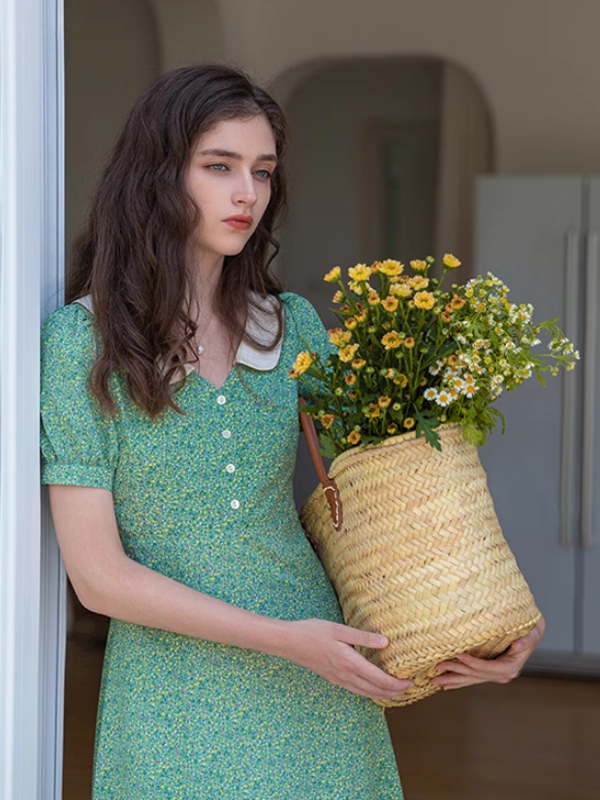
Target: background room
{"points": [[467, 127]]}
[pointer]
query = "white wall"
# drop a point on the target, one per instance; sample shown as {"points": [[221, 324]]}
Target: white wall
{"points": [[537, 61], [328, 113]]}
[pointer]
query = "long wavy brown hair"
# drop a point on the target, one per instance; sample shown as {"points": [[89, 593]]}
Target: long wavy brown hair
{"points": [[133, 255]]}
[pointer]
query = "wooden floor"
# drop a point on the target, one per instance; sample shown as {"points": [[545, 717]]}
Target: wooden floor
{"points": [[533, 739]]}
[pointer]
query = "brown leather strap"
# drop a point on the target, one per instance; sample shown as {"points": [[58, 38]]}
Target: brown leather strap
{"points": [[329, 487]]}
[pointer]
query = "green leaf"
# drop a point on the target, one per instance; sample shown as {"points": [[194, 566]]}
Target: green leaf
{"points": [[327, 448], [426, 422]]}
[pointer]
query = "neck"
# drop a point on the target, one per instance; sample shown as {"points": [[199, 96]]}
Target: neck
{"points": [[209, 275]]}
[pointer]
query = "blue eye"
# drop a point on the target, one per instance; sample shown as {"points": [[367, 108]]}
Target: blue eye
{"points": [[218, 167], [264, 174]]}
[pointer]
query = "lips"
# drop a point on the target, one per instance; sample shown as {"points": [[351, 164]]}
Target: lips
{"points": [[240, 222]]}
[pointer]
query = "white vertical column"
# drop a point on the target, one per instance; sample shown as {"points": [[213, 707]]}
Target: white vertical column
{"points": [[31, 200]]}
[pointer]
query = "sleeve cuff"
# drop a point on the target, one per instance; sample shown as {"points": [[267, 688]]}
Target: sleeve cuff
{"points": [[77, 475]]}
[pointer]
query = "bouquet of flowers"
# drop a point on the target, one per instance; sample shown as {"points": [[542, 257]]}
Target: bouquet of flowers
{"points": [[405, 527], [411, 355]]}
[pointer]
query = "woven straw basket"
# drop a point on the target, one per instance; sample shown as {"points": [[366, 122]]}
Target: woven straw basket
{"points": [[420, 556]]}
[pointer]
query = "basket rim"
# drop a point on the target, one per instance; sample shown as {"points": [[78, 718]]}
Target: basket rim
{"points": [[389, 442]]}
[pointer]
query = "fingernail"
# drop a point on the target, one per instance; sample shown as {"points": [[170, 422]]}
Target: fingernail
{"points": [[382, 641]]}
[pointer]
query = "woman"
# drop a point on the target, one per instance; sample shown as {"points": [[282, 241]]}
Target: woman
{"points": [[169, 436]]}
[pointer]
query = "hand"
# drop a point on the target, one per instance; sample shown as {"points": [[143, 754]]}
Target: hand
{"points": [[467, 670], [326, 648]]}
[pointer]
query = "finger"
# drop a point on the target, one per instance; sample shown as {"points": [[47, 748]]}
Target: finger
{"points": [[457, 666], [379, 678], [465, 663], [460, 683], [527, 643], [531, 640], [355, 636], [367, 689]]}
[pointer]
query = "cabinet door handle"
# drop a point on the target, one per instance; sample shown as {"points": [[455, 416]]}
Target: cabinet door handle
{"points": [[589, 388], [569, 399]]}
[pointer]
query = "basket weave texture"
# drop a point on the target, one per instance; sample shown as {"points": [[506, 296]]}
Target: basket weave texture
{"points": [[420, 557]]}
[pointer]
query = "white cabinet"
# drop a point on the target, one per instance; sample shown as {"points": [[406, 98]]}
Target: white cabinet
{"points": [[542, 237]]}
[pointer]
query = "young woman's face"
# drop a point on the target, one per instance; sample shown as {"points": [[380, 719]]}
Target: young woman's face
{"points": [[229, 178]]}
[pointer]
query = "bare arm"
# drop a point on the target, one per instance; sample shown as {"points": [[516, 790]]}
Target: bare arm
{"points": [[108, 582]]}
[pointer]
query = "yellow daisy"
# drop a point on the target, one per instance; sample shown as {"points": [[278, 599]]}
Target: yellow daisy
{"points": [[360, 272], [347, 353], [450, 261], [391, 268], [424, 300], [333, 275], [303, 362], [391, 340], [418, 282], [418, 265], [401, 290], [390, 303], [374, 410], [338, 336]]}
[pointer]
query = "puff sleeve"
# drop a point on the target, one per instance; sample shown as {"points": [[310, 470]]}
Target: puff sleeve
{"points": [[79, 441], [310, 333]]}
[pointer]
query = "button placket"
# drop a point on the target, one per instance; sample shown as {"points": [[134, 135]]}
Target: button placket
{"points": [[230, 468]]}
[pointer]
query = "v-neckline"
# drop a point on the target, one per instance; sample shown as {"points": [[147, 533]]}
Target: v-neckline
{"points": [[210, 383]]}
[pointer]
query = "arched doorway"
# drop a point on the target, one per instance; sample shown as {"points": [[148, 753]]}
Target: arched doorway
{"points": [[383, 158]]}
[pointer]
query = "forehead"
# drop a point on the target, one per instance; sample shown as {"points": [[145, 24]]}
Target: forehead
{"points": [[247, 136]]}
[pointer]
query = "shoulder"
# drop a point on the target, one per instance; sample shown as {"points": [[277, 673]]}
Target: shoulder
{"points": [[68, 331], [305, 322], [300, 309], [296, 304]]}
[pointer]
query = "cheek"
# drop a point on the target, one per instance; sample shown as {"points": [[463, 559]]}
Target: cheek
{"points": [[202, 190], [265, 199]]}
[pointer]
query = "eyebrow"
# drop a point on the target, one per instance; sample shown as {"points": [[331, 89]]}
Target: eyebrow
{"points": [[230, 154]]}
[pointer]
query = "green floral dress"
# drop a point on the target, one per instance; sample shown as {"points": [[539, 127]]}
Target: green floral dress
{"points": [[205, 497]]}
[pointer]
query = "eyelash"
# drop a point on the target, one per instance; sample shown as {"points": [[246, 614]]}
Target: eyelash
{"points": [[267, 177]]}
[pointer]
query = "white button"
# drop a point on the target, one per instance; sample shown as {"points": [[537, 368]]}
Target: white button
{"points": [[226, 434], [230, 467], [235, 504], [221, 400]]}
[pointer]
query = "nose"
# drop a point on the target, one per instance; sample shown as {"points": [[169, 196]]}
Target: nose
{"points": [[245, 193]]}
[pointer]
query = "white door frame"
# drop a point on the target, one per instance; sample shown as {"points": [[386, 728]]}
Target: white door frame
{"points": [[32, 616]]}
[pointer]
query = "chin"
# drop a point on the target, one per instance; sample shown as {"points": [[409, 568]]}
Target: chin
{"points": [[234, 249]]}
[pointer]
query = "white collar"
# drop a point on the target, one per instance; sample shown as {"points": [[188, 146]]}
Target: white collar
{"points": [[261, 325]]}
